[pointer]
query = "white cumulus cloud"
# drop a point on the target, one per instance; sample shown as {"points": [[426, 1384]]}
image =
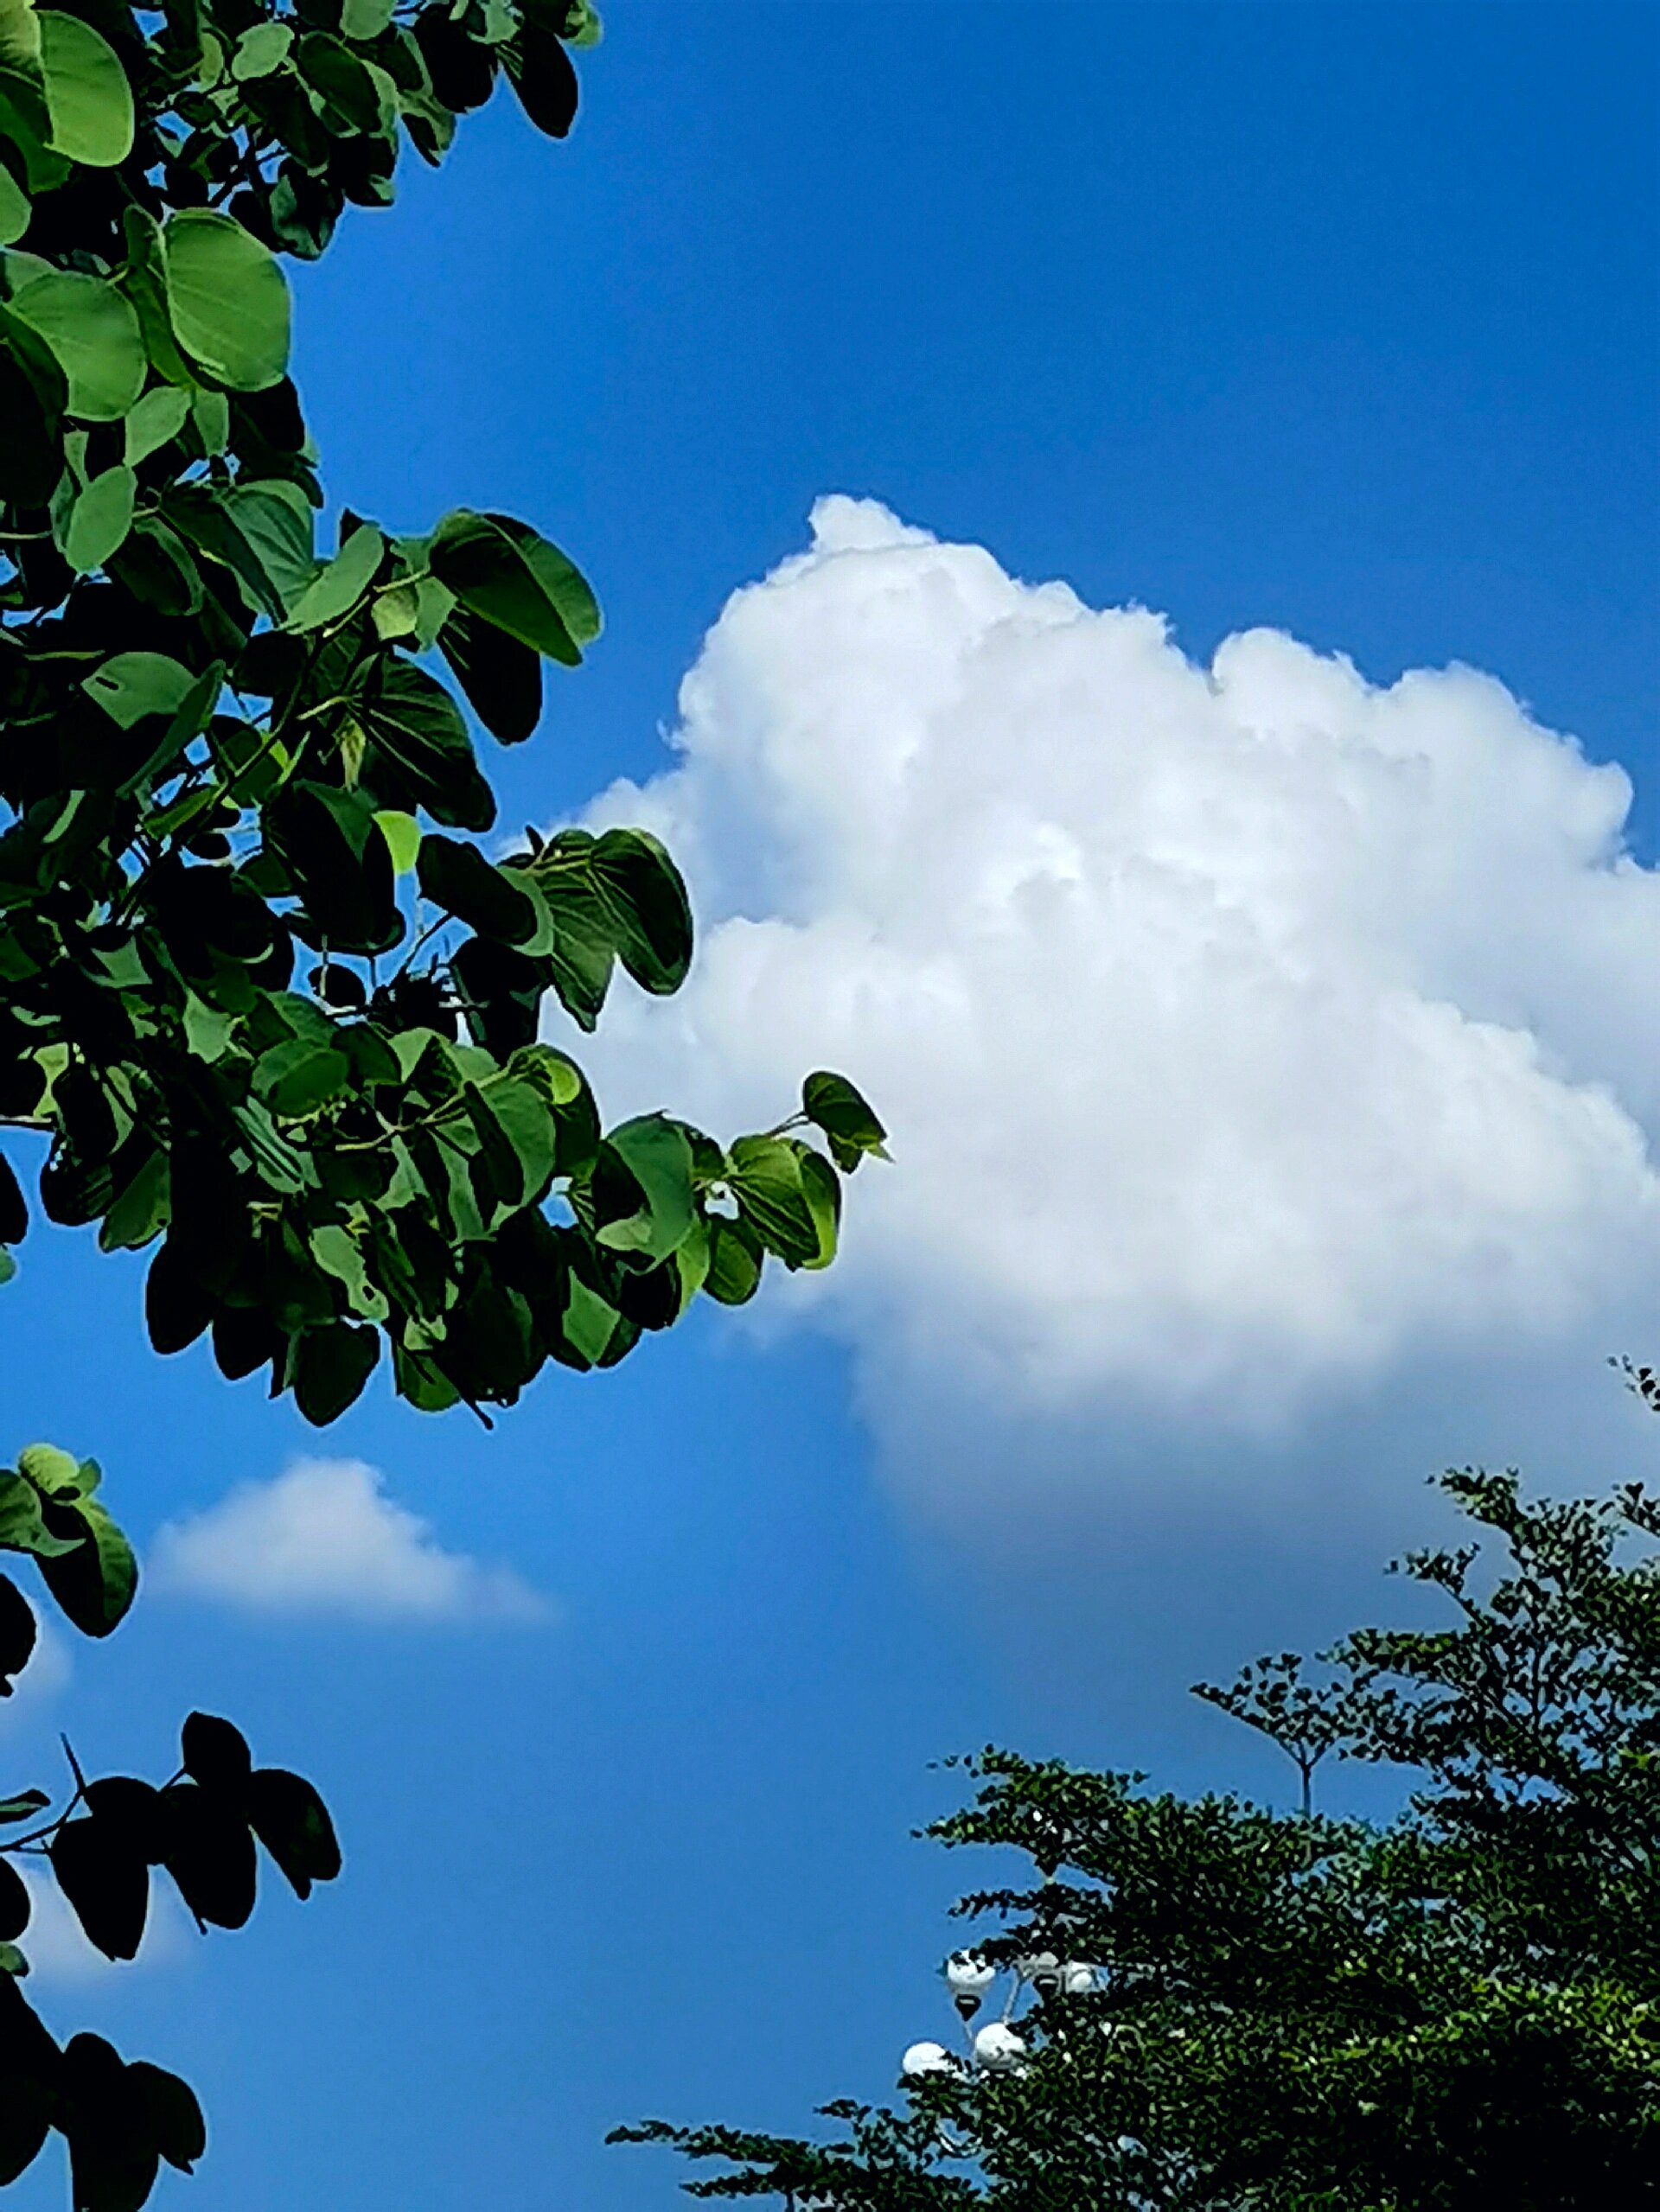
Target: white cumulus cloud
{"points": [[324, 1538], [1249, 1036]]}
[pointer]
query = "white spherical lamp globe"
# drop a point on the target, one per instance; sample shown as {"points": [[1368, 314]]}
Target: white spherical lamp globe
{"points": [[1078, 1979], [997, 2049], [925, 2058], [968, 1976]]}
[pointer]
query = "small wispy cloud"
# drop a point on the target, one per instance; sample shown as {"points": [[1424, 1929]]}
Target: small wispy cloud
{"points": [[324, 1538]]}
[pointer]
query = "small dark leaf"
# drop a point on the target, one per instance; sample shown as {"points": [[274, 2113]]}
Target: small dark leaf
{"points": [[331, 1366], [215, 1753], [292, 1822], [17, 1632], [173, 2117], [458, 878], [544, 76], [107, 1880], [501, 675], [14, 1209], [14, 1902], [209, 1854], [132, 1811]]}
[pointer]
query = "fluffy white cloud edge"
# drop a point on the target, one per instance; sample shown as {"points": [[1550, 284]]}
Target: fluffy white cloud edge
{"points": [[323, 1537], [1250, 1036]]}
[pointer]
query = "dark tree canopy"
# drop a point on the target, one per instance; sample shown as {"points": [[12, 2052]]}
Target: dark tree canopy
{"points": [[1265, 2013], [263, 995]]}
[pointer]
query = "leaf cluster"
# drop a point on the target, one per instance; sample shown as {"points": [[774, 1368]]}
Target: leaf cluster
{"points": [[202, 1827], [273, 1008], [1457, 2008]]}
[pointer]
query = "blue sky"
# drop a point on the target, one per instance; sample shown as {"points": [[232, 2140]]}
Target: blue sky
{"points": [[1339, 319]]}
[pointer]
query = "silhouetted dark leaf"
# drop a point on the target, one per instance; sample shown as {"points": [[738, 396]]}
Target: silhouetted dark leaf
{"points": [[215, 1753], [107, 1880], [210, 1855], [17, 1632], [292, 1822]]}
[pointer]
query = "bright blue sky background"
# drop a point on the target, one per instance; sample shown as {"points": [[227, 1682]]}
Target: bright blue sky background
{"points": [[1338, 317]]}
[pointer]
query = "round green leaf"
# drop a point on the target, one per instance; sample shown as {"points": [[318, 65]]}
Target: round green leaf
{"points": [[403, 835], [155, 422], [261, 49], [227, 298], [129, 685], [88, 95], [504, 572], [99, 520], [15, 210], [93, 333]]}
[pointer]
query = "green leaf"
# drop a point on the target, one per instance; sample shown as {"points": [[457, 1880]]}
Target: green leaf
{"points": [[210, 417], [299, 1078], [366, 19], [342, 84], [260, 49], [20, 36], [544, 76], [88, 95], [155, 422], [339, 1253], [832, 1103], [823, 1194], [403, 835], [22, 1526], [734, 1260], [274, 519], [764, 1175], [645, 898], [96, 1582], [139, 1211], [130, 686], [343, 583], [458, 878], [15, 210], [521, 1139], [21, 1808], [34, 393], [420, 754], [582, 24], [227, 298], [331, 1366], [145, 281], [657, 1158], [157, 566], [332, 847], [53, 1471], [503, 571], [93, 333]]}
